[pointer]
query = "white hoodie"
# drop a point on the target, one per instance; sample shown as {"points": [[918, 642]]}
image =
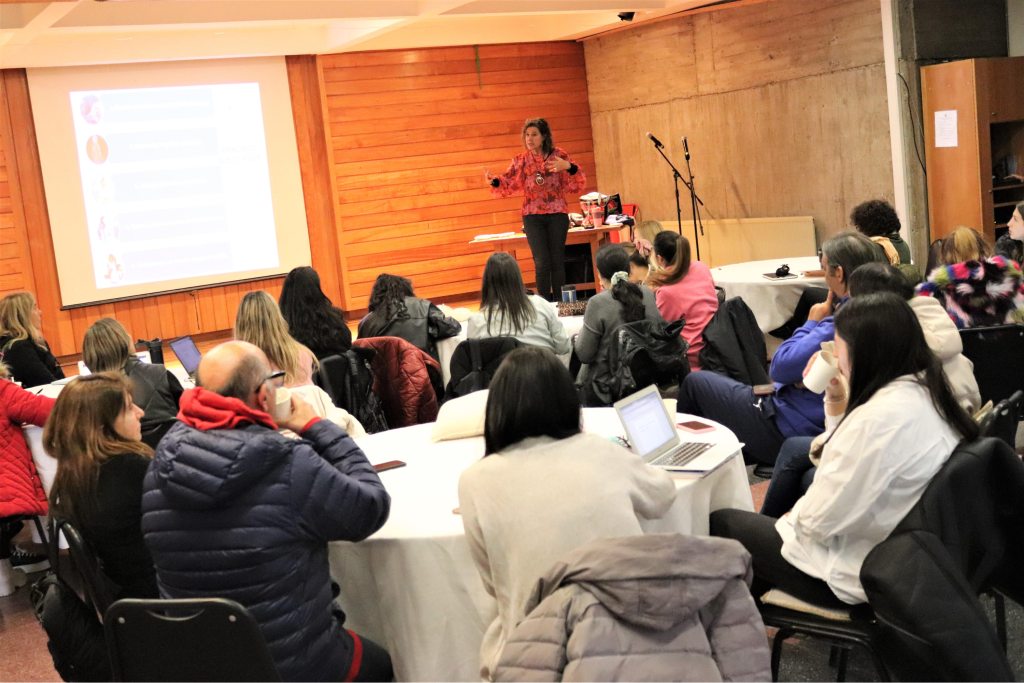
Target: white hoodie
{"points": [[943, 339]]}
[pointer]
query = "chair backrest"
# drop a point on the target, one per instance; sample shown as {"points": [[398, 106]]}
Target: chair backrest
{"points": [[998, 357], [734, 345], [348, 380], [642, 353], [95, 582], [407, 380], [1002, 422], [210, 639], [474, 363]]}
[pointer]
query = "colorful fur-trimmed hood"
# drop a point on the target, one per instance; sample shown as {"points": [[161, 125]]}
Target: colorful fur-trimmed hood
{"points": [[978, 293]]}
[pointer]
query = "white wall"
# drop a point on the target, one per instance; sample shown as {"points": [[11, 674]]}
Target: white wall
{"points": [[1015, 16]]}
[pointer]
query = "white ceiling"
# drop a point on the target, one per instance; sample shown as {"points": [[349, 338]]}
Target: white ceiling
{"points": [[76, 32]]}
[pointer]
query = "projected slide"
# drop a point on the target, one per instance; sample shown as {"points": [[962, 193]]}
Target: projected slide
{"points": [[176, 182]]}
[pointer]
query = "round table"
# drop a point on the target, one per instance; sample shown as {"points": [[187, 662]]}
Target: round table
{"points": [[413, 586], [772, 301]]}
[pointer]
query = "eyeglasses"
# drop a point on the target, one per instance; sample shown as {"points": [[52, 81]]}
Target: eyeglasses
{"points": [[276, 378]]}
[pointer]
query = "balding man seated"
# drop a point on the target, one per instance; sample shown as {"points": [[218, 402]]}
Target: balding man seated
{"points": [[233, 509]]}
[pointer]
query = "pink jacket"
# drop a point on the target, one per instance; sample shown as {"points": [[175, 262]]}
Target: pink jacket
{"points": [[694, 299]]}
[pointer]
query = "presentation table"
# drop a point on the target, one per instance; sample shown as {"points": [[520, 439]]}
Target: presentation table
{"points": [[446, 347], [595, 237], [413, 586]]}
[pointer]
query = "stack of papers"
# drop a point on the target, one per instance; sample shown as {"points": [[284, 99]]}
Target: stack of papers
{"points": [[495, 236]]}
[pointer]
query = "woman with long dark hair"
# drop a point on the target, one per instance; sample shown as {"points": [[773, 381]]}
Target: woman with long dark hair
{"points": [[901, 424], [684, 289], [396, 311], [534, 492], [620, 302], [506, 310], [312, 319], [95, 434], [543, 174]]}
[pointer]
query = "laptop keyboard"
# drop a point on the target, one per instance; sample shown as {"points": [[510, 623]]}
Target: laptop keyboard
{"points": [[682, 454]]}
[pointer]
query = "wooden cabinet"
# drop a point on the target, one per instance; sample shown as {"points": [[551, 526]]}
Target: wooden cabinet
{"points": [[967, 182]]}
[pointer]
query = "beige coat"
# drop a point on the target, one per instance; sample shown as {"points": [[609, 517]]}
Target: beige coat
{"points": [[660, 607]]}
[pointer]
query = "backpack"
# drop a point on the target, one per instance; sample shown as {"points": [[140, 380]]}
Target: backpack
{"points": [[474, 363], [642, 353], [75, 635], [348, 380]]}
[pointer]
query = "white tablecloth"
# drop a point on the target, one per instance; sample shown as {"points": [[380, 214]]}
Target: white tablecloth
{"points": [[446, 347], [772, 301], [413, 587]]}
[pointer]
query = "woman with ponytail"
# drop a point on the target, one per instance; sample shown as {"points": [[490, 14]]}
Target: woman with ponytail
{"points": [[685, 289], [620, 302]]}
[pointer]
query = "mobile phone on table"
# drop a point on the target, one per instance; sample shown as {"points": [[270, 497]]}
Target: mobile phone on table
{"points": [[390, 465], [764, 389], [695, 427]]}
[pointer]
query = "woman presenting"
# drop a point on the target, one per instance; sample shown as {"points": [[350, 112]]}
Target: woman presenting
{"points": [[543, 174]]}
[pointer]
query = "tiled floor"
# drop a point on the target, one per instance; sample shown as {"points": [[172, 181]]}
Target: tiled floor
{"points": [[23, 653]]}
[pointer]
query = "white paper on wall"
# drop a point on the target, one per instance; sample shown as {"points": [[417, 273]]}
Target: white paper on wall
{"points": [[945, 129]]}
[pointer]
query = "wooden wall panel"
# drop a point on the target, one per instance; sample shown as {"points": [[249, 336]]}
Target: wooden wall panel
{"points": [[26, 247], [784, 104], [411, 131]]}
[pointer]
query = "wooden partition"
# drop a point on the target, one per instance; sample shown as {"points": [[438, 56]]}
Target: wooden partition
{"points": [[412, 130], [784, 105]]}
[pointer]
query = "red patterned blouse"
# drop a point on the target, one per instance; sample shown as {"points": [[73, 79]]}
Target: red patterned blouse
{"points": [[547, 197]]}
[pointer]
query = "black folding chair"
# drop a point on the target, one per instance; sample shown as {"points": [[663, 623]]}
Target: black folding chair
{"points": [[1002, 422], [211, 639], [95, 582], [998, 357]]}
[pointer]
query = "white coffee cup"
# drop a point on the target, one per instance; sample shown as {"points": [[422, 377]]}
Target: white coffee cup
{"points": [[824, 370], [282, 404]]}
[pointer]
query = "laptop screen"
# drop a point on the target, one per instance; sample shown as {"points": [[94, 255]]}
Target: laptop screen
{"points": [[647, 423], [186, 351]]}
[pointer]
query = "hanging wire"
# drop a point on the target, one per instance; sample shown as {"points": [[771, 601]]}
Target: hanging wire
{"points": [[479, 73]]}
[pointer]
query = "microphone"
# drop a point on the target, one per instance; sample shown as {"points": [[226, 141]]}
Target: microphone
{"points": [[656, 141], [686, 149]]}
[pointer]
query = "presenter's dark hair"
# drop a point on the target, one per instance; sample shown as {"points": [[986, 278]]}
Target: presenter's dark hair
{"points": [[675, 249], [875, 218], [312, 319], [387, 299], [532, 394], [885, 342], [503, 296], [876, 278], [547, 143], [611, 259]]}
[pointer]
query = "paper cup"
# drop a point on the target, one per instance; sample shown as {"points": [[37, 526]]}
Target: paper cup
{"points": [[824, 370], [670, 405], [283, 404]]}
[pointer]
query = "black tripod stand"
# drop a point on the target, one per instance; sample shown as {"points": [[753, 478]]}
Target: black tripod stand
{"points": [[694, 199]]}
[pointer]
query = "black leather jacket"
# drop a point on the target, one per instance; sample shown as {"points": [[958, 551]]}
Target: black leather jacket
{"points": [[422, 325]]}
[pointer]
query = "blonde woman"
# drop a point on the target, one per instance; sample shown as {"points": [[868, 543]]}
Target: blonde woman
{"points": [[259, 322], [107, 347], [95, 434], [22, 347]]}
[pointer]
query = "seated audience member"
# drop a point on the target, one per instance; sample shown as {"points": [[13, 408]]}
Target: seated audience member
{"points": [[232, 509], [395, 311], [506, 310], [531, 499], [877, 221], [107, 347], [684, 290], [639, 268], [20, 490], [312, 320], [259, 322], [901, 425], [1011, 245], [620, 302], [794, 470], [976, 288], [648, 230], [763, 423], [22, 347], [95, 434]]}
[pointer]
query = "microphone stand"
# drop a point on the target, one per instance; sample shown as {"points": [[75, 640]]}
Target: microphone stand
{"points": [[694, 200], [676, 177]]}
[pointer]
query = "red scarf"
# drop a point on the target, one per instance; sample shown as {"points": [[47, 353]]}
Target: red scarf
{"points": [[203, 410]]}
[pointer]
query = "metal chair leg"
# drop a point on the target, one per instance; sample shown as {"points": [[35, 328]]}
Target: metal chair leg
{"points": [[833, 655], [780, 638], [1000, 618], [844, 655]]}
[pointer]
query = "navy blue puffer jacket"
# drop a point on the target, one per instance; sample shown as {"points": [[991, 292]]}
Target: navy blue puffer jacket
{"points": [[246, 514]]}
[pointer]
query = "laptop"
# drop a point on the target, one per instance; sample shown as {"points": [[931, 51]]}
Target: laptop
{"points": [[187, 352], [652, 434]]}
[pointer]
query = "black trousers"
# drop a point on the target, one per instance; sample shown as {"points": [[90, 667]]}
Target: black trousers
{"points": [[771, 570], [546, 232]]}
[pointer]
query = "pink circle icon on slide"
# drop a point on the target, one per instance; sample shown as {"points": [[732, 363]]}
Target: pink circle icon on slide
{"points": [[96, 149], [91, 109]]}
